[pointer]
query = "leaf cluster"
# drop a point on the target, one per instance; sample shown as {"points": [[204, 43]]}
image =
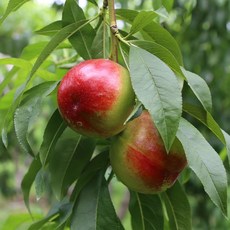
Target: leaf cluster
{"points": [[76, 167]]}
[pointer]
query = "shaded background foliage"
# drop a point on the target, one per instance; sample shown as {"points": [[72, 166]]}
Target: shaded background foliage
{"points": [[202, 29]]}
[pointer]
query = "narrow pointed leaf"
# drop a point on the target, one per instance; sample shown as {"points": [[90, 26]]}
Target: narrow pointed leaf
{"points": [[146, 212], [94, 205], [227, 140], [168, 4], [98, 163], [13, 5], [141, 20], [161, 36], [161, 52], [40, 183], [53, 131], [59, 37], [100, 45], [206, 118], [157, 87], [200, 89], [126, 15], [59, 210], [71, 155], [178, 208], [51, 29], [205, 163], [93, 2], [28, 109], [29, 179], [81, 41]]}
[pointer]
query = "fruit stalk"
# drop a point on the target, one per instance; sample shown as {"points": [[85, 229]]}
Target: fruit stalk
{"points": [[114, 31]]}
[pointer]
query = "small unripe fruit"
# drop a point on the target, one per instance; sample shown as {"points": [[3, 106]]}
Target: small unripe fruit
{"points": [[139, 159], [96, 97]]}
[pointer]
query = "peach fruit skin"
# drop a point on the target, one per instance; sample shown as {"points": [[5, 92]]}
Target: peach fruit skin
{"points": [[140, 161], [95, 98]]}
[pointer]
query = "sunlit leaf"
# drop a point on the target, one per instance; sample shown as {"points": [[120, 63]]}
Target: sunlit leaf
{"points": [[155, 86], [168, 4], [50, 29], [93, 2], [83, 39], [59, 37], [126, 14], [13, 5], [18, 220], [142, 19]]}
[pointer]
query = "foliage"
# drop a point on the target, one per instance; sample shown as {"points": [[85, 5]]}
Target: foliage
{"points": [[76, 168]]}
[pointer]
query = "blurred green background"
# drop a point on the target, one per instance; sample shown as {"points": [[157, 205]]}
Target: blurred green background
{"points": [[202, 29]]}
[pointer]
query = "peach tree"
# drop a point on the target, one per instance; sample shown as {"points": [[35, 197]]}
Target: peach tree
{"points": [[75, 166]]}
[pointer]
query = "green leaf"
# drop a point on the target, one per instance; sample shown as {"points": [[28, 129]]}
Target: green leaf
{"points": [[58, 213], [94, 205], [163, 13], [54, 213], [205, 163], [17, 62], [161, 52], [3, 150], [81, 41], [13, 5], [26, 66], [142, 19], [126, 15], [100, 162], [206, 118], [59, 37], [40, 183], [55, 127], [72, 155], [161, 36], [17, 221], [33, 50], [100, 45], [93, 2], [168, 4], [50, 29], [200, 89], [227, 140], [178, 208], [157, 4], [155, 86], [146, 212], [29, 108], [29, 179]]}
